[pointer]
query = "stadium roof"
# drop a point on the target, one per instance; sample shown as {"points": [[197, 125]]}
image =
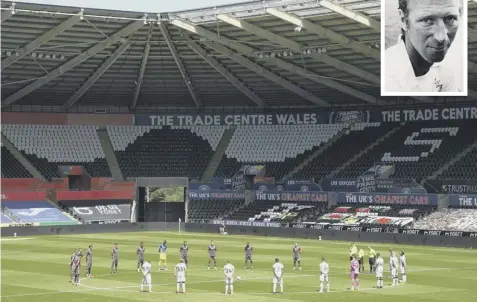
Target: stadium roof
{"points": [[262, 54]]}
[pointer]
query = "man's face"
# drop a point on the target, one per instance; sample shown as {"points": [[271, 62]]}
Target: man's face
{"points": [[431, 26]]}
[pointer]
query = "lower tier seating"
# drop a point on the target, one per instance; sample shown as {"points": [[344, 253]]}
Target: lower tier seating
{"points": [[205, 210], [450, 220]]}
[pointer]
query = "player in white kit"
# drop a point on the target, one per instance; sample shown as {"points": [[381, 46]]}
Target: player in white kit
{"points": [[394, 269], [278, 270], [379, 269], [403, 266], [180, 273], [146, 272], [229, 270], [324, 271]]}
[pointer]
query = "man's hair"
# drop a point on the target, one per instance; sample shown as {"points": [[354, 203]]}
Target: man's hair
{"points": [[403, 6]]}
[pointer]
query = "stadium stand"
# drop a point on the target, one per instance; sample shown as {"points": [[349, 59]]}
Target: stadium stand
{"points": [[163, 152], [279, 147], [11, 167], [360, 135], [39, 211], [5, 219], [276, 211], [450, 220], [417, 149], [48, 146], [205, 210], [374, 215], [465, 168]]}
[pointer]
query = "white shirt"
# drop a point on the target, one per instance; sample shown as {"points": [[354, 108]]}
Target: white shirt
{"points": [[394, 262], [403, 261], [445, 76], [146, 268], [324, 268], [181, 268], [278, 269], [379, 264], [229, 270]]}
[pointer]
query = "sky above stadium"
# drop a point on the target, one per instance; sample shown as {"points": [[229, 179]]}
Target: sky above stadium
{"points": [[138, 5]]}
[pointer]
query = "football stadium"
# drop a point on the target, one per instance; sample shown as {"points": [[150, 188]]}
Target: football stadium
{"points": [[238, 152]]}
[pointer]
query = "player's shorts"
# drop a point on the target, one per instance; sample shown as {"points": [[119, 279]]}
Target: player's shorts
{"points": [[296, 258], [229, 280], [115, 262], [394, 272], [371, 261], [324, 278], [162, 256], [379, 273], [354, 276], [403, 270], [181, 279], [147, 279], [140, 261], [248, 258], [277, 280], [360, 261], [185, 258], [212, 257]]}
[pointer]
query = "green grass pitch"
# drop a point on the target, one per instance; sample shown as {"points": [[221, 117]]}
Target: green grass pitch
{"points": [[37, 270]]}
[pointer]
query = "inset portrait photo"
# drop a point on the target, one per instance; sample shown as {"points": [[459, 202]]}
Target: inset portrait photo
{"points": [[424, 48]]}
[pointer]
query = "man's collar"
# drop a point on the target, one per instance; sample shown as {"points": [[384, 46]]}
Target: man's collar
{"points": [[405, 60]]}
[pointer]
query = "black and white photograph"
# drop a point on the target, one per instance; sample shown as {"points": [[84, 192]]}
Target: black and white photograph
{"points": [[424, 48]]}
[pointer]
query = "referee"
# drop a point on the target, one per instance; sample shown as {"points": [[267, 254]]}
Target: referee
{"points": [[372, 259], [353, 250]]}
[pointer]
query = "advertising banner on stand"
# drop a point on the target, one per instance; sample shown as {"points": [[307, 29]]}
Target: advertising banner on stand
{"points": [[463, 201], [291, 196], [112, 212], [451, 186], [388, 199]]}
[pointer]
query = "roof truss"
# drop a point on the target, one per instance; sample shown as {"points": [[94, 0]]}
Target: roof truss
{"points": [[129, 29], [65, 25], [351, 14], [227, 74], [180, 65], [245, 49], [294, 46], [142, 69], [96, 75], [267, 74]]}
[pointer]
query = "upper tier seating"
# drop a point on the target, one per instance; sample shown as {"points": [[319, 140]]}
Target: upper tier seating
{"points": [[417, 149], [450, 220], [464, 168], [42, 212], [48, 146], [359, 137], [279, 147], [163, 151], [205, 210], [11, 167]]}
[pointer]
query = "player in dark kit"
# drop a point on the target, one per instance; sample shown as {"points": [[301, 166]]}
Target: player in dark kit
{"points": [[212, 255], [89, 261], [185, 253], [140, 256], [248, 255], [114, 257]]}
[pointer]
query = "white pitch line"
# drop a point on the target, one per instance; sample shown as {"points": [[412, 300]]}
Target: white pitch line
{"points": [[15, 239]]}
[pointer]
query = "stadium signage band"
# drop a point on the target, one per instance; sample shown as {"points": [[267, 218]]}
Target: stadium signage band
{"points": [[388, 199], [216, 195], [463, 201], [451, 186], [93, 195], [23, 195], [291, 196], [303, 118], [347, 228]]}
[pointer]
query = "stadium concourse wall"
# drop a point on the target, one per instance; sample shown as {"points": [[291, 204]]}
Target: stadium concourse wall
{"points": [[392, 238]]}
